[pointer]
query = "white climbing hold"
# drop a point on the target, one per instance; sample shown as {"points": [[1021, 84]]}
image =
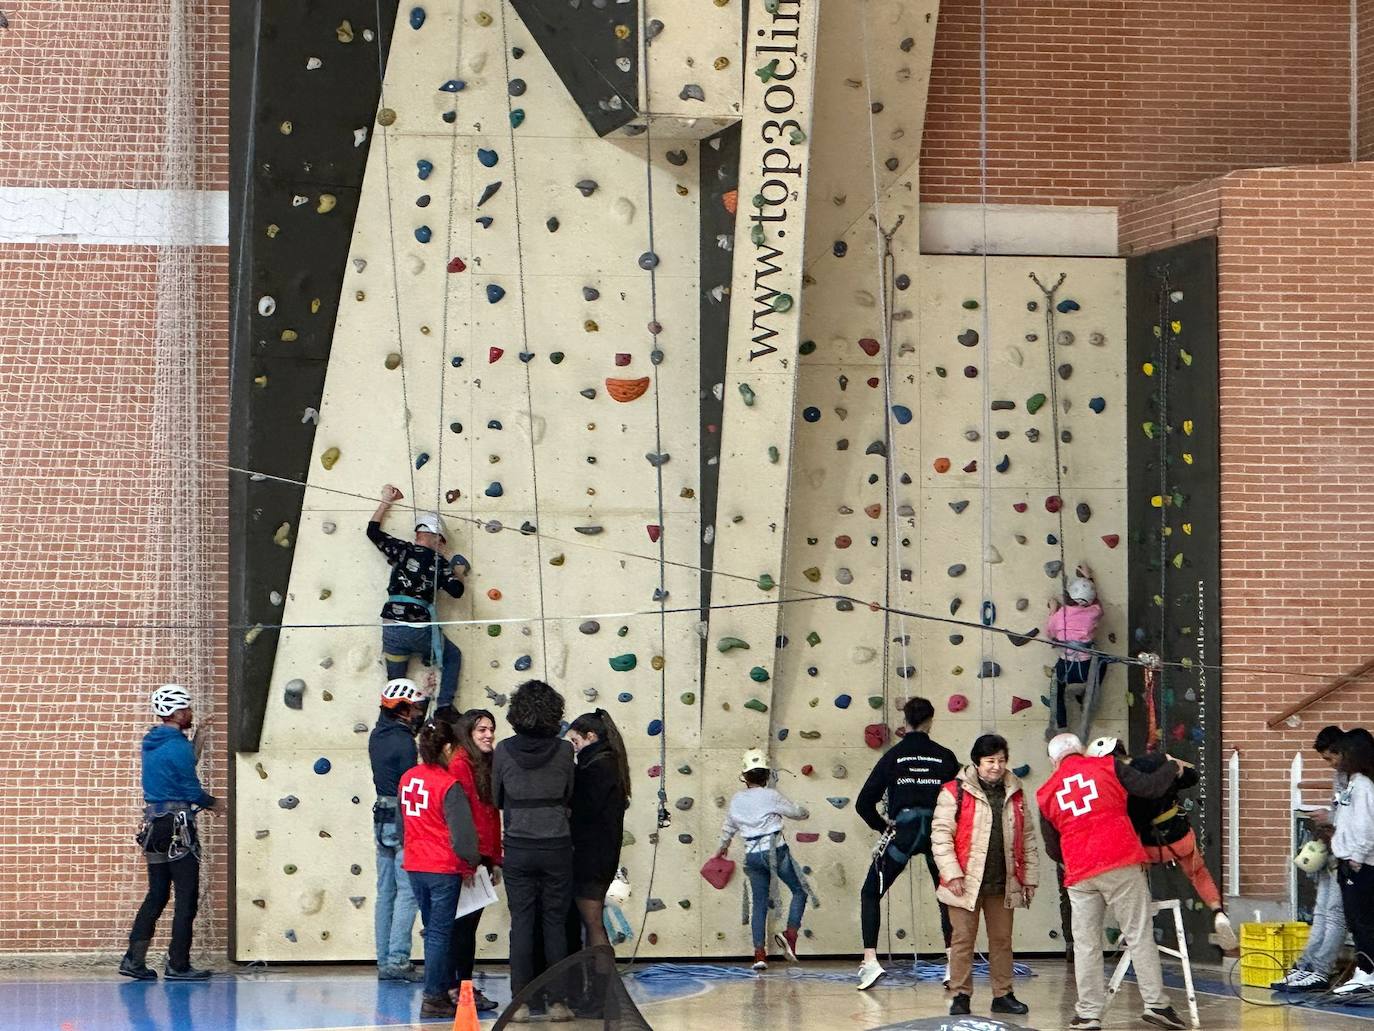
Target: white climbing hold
{"points": [[718, 391], [359, 264], [623, 209], [310, 415], [1014, 356], [709, 534], [725, 241], [991, 555], [267, 305], [313, 63], [717, 293], [328, 526], [359, 136], [275, 598]]}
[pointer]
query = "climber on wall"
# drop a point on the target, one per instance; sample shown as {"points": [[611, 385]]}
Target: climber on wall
{"points": [[172, 795], [409, 618], [391, 749], [1073, 622], [910, 775], [1167, 836]]}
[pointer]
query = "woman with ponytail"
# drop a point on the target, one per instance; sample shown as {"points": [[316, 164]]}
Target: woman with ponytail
{"points": [[440, 850], [475, 732], [601, 793]]}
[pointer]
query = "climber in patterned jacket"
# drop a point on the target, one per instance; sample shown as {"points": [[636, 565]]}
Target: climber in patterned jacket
{"points": [[409, 618]]}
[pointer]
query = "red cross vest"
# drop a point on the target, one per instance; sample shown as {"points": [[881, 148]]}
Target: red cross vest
{"points": [[420, 798], [1086, 804]]}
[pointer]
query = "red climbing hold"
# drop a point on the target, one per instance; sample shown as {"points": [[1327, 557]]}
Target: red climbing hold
{"points": [[957, 703], [843, 541], [712, 428], [869, 346], [807, 770], [873, 382], [655, 770], [876, 735], [873, 511], [1111, 539], [622, 359], [1179, 732], [1019, 704], [456, 264], [807, 837], [1020, 506], [1054, 503], [494, 354], [972, 467], [941, 465], [654, 531]]}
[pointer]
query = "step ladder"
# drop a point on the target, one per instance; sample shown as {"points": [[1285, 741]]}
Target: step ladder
{"points": [[1180, 954]]}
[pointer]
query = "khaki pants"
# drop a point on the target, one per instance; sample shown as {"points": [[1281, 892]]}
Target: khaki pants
{"points": [[1127, 891], [964, 933]]}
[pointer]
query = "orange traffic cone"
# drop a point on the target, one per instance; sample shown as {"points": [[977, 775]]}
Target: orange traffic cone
{"points": [[466, 1017]]}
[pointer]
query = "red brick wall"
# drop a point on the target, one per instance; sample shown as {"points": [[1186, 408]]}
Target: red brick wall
{"points": [[1105, 102], [1364, 70], [1296, 278], [76, 354]]}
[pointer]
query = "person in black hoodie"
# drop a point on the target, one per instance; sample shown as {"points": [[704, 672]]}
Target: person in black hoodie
{"points": [[601, 793], [910, 775], [532, 785]]}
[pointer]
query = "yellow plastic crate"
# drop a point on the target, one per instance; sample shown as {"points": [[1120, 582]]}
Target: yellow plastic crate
{"points": [[1268, 951]]}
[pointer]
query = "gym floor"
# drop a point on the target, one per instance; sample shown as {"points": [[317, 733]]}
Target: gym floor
{"points": [[672, 997]]}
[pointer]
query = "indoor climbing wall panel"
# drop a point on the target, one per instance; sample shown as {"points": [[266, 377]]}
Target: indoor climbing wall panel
{"points": [[512, 350]]}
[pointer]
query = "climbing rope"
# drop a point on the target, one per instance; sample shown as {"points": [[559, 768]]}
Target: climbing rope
{"points": [[986, 651], [1052, 356]]}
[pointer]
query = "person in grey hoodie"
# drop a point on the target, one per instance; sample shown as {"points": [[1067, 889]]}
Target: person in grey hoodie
{"points": [[532, 785], [1353, 847]]}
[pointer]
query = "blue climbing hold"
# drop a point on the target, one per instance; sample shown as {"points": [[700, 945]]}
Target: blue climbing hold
{"points": [[989, 613], [487, 157], [902, 414], [523, 663], [494, 424], [624, 696], [1022, 771], [424, 168], [517, 117], [1004, 464], [494, 293], [783, 733], [417, 17], [655, 728], [485, 221], [811, 414], [494, 489], [424, 234], [421, 459], [323, 766], [1097, 404], [422, 201], [456, 361], [450, 116], [453, 86], [1067, 305], [842, 701], [526, 356]]}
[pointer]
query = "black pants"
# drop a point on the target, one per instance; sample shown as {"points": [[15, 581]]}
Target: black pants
{"points": [[887, 869], [539, 893], [1065, 912], [184, 875], [1357, 894], [462, 948]]}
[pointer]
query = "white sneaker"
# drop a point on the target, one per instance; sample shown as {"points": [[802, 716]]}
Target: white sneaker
{"points": [[869, 973], [559, 1013], [1299, 979], [1360, 982], [1226, 934], [785, 947]]}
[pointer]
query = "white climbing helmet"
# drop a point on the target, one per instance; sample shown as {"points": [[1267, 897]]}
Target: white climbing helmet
{"points": [[429, 522], [1062, 745], [1081, 590], [170, 698], [1312, 857], [754, 759], [401, 690], [1102, 746]]}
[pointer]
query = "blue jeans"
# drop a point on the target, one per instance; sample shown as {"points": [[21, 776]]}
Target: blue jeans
{"points": [[1328, 927], [402, 640], [395, 911], [756, 868], [437, 894]]}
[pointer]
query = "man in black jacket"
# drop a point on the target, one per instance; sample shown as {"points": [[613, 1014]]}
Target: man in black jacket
{"points": [[391, 749], [910, 776]]}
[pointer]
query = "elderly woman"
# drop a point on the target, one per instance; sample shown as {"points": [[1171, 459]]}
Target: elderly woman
{"points": [[983, 842]]}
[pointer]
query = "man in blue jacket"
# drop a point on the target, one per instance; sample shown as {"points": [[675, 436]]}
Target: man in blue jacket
{"points": [[172, 794]]}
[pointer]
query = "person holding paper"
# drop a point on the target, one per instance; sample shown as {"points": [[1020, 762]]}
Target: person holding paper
{"points": [[441, 849], [475, 732]]}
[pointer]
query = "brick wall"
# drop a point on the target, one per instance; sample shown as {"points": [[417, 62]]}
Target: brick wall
{"points": [[1364, 72], [1104, 102], [1296, 278]]}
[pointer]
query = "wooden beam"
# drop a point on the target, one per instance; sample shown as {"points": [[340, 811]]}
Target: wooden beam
{"points": [[1316, 696]]}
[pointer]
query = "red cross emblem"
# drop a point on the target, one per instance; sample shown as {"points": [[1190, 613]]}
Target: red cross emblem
{"points": [[1077, 795], [415, 797]]}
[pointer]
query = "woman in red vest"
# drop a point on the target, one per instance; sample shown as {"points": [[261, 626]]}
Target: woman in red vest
{"points": [[440, 850], [475, 731], [983, 842]]}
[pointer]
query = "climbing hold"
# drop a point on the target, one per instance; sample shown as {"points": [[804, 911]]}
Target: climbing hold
{"points": [[655, 728], [624, 663], [423, 234], [588, 531], [1034, 403], [494, 293], [906, 672], [1097, 404], [1083, 512], [758, 675], [902, 414], [627, 390], [517, 117], [969, 338], [747, 392], [1111, 540], [942, 466], [876, 448], [494, 489], [648, 260], [958, 569], [869, 346], [1004, 464], [1066, 305], [726, 644], [756, 705], [876, 735], [488, 192], [839, 802], [1054, 503], [1003, 406], [1054, 567], [293, 694], [957, 703], [289, 802], [322, 766], [989, 670], [417, 17]]}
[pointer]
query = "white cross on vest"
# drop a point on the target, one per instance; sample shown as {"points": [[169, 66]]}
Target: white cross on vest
{"points": [[1077, 795], [415, 797]]}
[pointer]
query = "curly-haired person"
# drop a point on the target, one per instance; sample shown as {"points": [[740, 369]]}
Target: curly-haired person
{"points": [[532, 785]]}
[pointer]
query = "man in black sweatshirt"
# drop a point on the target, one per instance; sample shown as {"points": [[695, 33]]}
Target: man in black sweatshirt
{"points": [[910, 775]]}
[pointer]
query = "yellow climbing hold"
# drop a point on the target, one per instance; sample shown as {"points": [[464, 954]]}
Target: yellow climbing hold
{"points": [[622, 32], [1185, 357], [483, 19], [557, 560], [326, 204], [1188, 529], [1188, 427], [1176, 326], [285, 128], [393, 361], [314, 306], [721, 63], [590, 326], [288, 336], [656, 662], [272, 230], [1188, 457], [330, 456], [813, 574], [386, 116], [282, 538], [1157, 501], [344, 32], [1178, 560], [1148, 368], [260, 381]]}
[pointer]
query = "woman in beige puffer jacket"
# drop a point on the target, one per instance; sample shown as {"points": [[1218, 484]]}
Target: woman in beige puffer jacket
{"points": [[983, 842]]}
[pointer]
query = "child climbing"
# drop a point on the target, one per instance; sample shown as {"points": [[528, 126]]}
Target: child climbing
{"points": [[1166, 834], [1073, 625], [756, 814], [601, 793], [409, 618]]}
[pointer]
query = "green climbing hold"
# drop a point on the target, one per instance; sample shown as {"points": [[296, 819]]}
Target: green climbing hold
{"points": [[687, 698], [813, 639], [1149, 429], [875, 701], [517, 117], [626, 839], [766, 582], [971, 305], [758, 675], [494, 630], [773, 455], [756, 234], [796, 137], [782, 302], [747, 392], [1034, 403], [624, 663], [726, 644], [767, 72], [1185, 357], [756, 705], [807, 347]]}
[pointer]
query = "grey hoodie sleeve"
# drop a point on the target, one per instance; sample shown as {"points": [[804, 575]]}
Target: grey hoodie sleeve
{"points": [[462, 831], [1354, 838]]}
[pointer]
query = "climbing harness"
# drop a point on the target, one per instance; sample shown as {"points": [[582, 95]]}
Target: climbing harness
{"points": [[436, 633], [916, 842], [176, 823], [775, 842]]}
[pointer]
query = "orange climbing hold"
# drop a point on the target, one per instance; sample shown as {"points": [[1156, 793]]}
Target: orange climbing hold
{"points": [[627, 390], [942, 465], [873, 511], [730, 201], [494, 594], [1111, 539]]}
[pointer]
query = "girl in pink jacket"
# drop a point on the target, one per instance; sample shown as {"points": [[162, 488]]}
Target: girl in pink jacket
{"points": [[1073, 621]]}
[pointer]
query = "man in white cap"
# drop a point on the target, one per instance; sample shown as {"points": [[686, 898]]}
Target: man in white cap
{"points": [[409, 619], [1086, 828]]}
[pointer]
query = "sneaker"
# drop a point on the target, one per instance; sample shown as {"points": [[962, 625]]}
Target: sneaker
{"points": [[189, 974], [760, 958], [438, 1006], [1226, 934], [1009, 1003], [959, 1007], [409, 972], [1301, 981], [869, 973], [1085, 1024], [786, 945], [1361, 982], [559, 1013], [521, 1015], [1165, 1017], [483, 1004]]}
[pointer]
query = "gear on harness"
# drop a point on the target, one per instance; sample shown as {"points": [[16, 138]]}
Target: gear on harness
{"points": [[887, 844], [436, 632]]}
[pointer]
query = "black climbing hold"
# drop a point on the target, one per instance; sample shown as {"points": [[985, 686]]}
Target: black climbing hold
{"points": [[485, 221], [422, 201], [494, 424], [1065, 371], [488, 192], [840, 249], [1004, 464], [1032, 306], [956, 638], [1083, 512], [906, 672], [990, 669], [551, 224], [1003, 406], [1065, 436], [958, 506], [590, 293], [1032, 434], [969, 338], [842, 444], [902, 282], [811, 414], [516, 87], [876, 448], [648, 260], [677, 157]]}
